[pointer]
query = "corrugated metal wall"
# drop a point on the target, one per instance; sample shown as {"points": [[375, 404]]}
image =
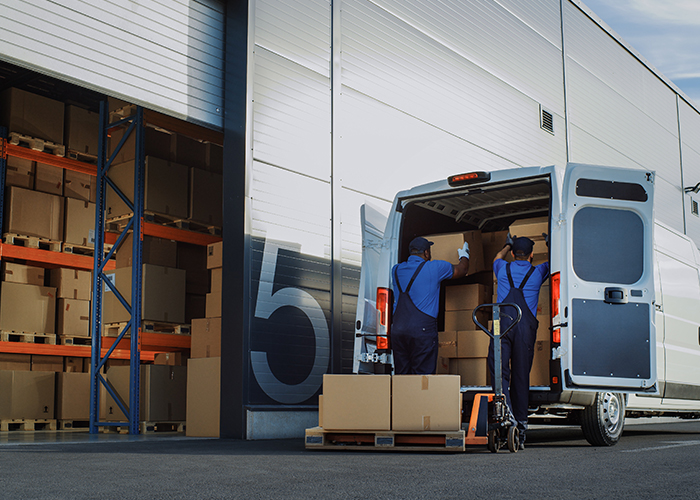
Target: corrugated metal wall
{"points": [[167, 56]]}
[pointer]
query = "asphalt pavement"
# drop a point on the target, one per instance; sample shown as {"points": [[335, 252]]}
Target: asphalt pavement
{"points": [[654, 459]]}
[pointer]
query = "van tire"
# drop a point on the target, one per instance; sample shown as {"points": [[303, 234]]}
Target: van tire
{"points": [[603, 421]]}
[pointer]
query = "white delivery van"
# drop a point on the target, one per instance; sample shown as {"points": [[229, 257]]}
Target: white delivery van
{"points": [[622, 333]]}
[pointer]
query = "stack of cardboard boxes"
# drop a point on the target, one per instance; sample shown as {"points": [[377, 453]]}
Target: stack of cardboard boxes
{"points": [[204, 365]]}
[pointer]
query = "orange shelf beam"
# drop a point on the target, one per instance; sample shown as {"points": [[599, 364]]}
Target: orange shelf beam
{"points": [[157, 342], [59, 259], [68, 350], [183, 235], [49, 159]]}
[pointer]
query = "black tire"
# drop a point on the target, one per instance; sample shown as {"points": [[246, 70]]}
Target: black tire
{"points": [[513, 439], [603, 421], [494, 442]]}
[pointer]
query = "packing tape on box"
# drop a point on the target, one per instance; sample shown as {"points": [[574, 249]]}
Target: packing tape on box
{"points": [[426, 422], [425, 383]]}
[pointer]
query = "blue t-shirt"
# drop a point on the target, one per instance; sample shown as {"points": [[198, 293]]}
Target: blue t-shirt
{"points": [[425, 292], [518, 270]]}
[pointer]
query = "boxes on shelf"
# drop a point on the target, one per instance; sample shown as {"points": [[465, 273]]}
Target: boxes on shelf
{"points": [[423, 403], [206, 197], [170, 359], [216, 279], [19, 273], [27, 395], [31, 213], [82, 130], [157, 143], [156, 251], [80, 223], [206, 338], [215, 158], [71, 283], [72, 364], [79, 186], [32, 115], [190, 152], [346, 405], [22, 362], [215, 255], [48, 179], [27, 308], [73, 396], [73, 317], [213, 305], [19, 172], [203, 397], [43, 363]]}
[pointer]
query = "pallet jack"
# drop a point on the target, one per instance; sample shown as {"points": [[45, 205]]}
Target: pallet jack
{"points": [[501, 424]]}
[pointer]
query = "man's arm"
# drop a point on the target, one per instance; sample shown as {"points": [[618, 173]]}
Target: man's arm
{"points": [[461, 269], [506, 248]]}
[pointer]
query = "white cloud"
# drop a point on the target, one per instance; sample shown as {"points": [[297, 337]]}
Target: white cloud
{"points": [[684, 12]]}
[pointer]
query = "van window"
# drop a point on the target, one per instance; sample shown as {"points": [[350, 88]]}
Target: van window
{"points": [[608, 245], [611, 190]]}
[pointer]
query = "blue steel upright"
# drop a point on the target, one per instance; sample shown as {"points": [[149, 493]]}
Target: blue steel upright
{"points": [[101, 280], [3, 172]]}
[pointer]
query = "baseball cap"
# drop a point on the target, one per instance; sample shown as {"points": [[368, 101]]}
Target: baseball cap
{"points": [[523, 246], [420, 244]]}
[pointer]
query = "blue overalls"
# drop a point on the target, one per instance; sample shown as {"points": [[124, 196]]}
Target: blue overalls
{"points": [[517, 351], [414, 334]]}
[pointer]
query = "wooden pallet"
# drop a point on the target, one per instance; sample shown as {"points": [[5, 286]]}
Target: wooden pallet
{"points": [[79, 249], [150, 427], [114, 429], [121, 113], [84, 157], [66, 425], [27, 424], [32, 242], [113, 329], [318, 438], [28, 337], [37, 144], [119, 222], [74, 340]]}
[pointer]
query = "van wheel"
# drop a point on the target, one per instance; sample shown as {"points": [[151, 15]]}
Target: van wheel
{"points": [[603, 421]]}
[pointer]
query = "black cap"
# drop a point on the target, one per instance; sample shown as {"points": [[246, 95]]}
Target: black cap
{"points": [[523, 246], [420, 244]]}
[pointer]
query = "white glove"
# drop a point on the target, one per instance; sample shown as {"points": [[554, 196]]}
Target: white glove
{"points": [[464, 251]]}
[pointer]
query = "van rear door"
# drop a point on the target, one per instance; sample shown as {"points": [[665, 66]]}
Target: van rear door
{"points": [[608, 339]]}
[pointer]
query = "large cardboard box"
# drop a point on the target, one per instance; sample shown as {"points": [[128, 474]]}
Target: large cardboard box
{"points": [[424, 403], [157, 143], [193, 259], [82, 129], [79, 186], [163, 393], [22, 362], [165, 188], [357, 402], [32, 115], [80, 223], [156, 251], [203, 397], [31, 213], [71, 283], [492, 244], [539, 374], [472, 344], [27, 308], [465, 297], [462, 320], [213, 306], [530, 228], [162, 294], [543, 331], [48, 179], [27, 395], [206, 338], [73, 317], [72, 364], [217, 279], [43, 363], [473, 371], [215, 255], [190, 152], [19, 273], [445, 248], [20, 172], [206, 197], [73, 396], [447, 344]]}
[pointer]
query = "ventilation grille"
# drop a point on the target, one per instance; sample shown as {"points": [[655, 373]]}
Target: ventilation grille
{"points": [[546, 120], [694, 208]]}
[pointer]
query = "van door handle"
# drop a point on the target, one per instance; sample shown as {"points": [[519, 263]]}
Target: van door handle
{"points": [[615, 295]]}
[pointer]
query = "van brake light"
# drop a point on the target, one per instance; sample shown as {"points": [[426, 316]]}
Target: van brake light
{"points": [[469, 178], [556, 295], [385, 305]]}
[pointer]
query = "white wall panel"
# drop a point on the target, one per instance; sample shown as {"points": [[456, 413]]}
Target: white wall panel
{"points": [[690, 127], [668, 203], [166, 56], [292, 116]]}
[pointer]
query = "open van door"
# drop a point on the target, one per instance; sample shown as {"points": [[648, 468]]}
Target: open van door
{"points": [[608, 335], [373, 224]]}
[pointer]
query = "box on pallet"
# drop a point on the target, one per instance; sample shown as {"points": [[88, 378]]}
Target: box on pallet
{"points": [[203, 397], [73, 396], [216, 279], [21, 362], [43, 363], [423, 403], [31, 213], [19, 172], [206, 338], [32, 115], [206, 197], [27, 308], [79, 186], [156, 251], [346, 405], [213, 305], [73, 317], [80, 223], [82, 130], [19, 273], [27, 395], [72, 364], [71, 283], [48, 179]]}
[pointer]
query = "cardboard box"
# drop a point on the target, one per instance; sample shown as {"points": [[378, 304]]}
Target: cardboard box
{"points": [[203, 397], [539, 374], [82, 129], [170, 359], [320, 410], [473, 371], [48, 179], [19, 172], [465, 297], [447, 344], [193, 259], [19, 273], [472, 344], [163, 393], [158, 143], [80, 223], [71, 283], [492, 244], [213, 309], [75, 365], [195, 307], [217, 279], [156, 251], [530, 228], [27, 395], [165, 188], [162, 294], [215, 255], [31, 213], [32, 115], [79, 186], [41, 363], [73, 396], [462, 320], [445, 248], [357, 402], [206, 197], [543, 331], [425, 403], [27, 308], [206, 338], [18, 362], [190, 152], [73, 317], [443, 365]]}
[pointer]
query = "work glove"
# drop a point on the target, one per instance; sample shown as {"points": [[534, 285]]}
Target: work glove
{"points": [[464, 251], [509, 240], [546, 239]]}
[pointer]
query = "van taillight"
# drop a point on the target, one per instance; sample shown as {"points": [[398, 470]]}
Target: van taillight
{"points": [[468, 178], [385, 305], [556, 294]]}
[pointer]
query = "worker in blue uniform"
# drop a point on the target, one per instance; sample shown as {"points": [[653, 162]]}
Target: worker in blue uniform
{"points": [[414, 333], [519, 282]]}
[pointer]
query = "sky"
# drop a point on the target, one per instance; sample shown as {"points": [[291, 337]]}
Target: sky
{"points": [[665, 32]]}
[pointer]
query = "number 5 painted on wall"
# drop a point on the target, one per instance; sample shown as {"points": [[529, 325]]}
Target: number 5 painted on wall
{"points": [[266, 304]]}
